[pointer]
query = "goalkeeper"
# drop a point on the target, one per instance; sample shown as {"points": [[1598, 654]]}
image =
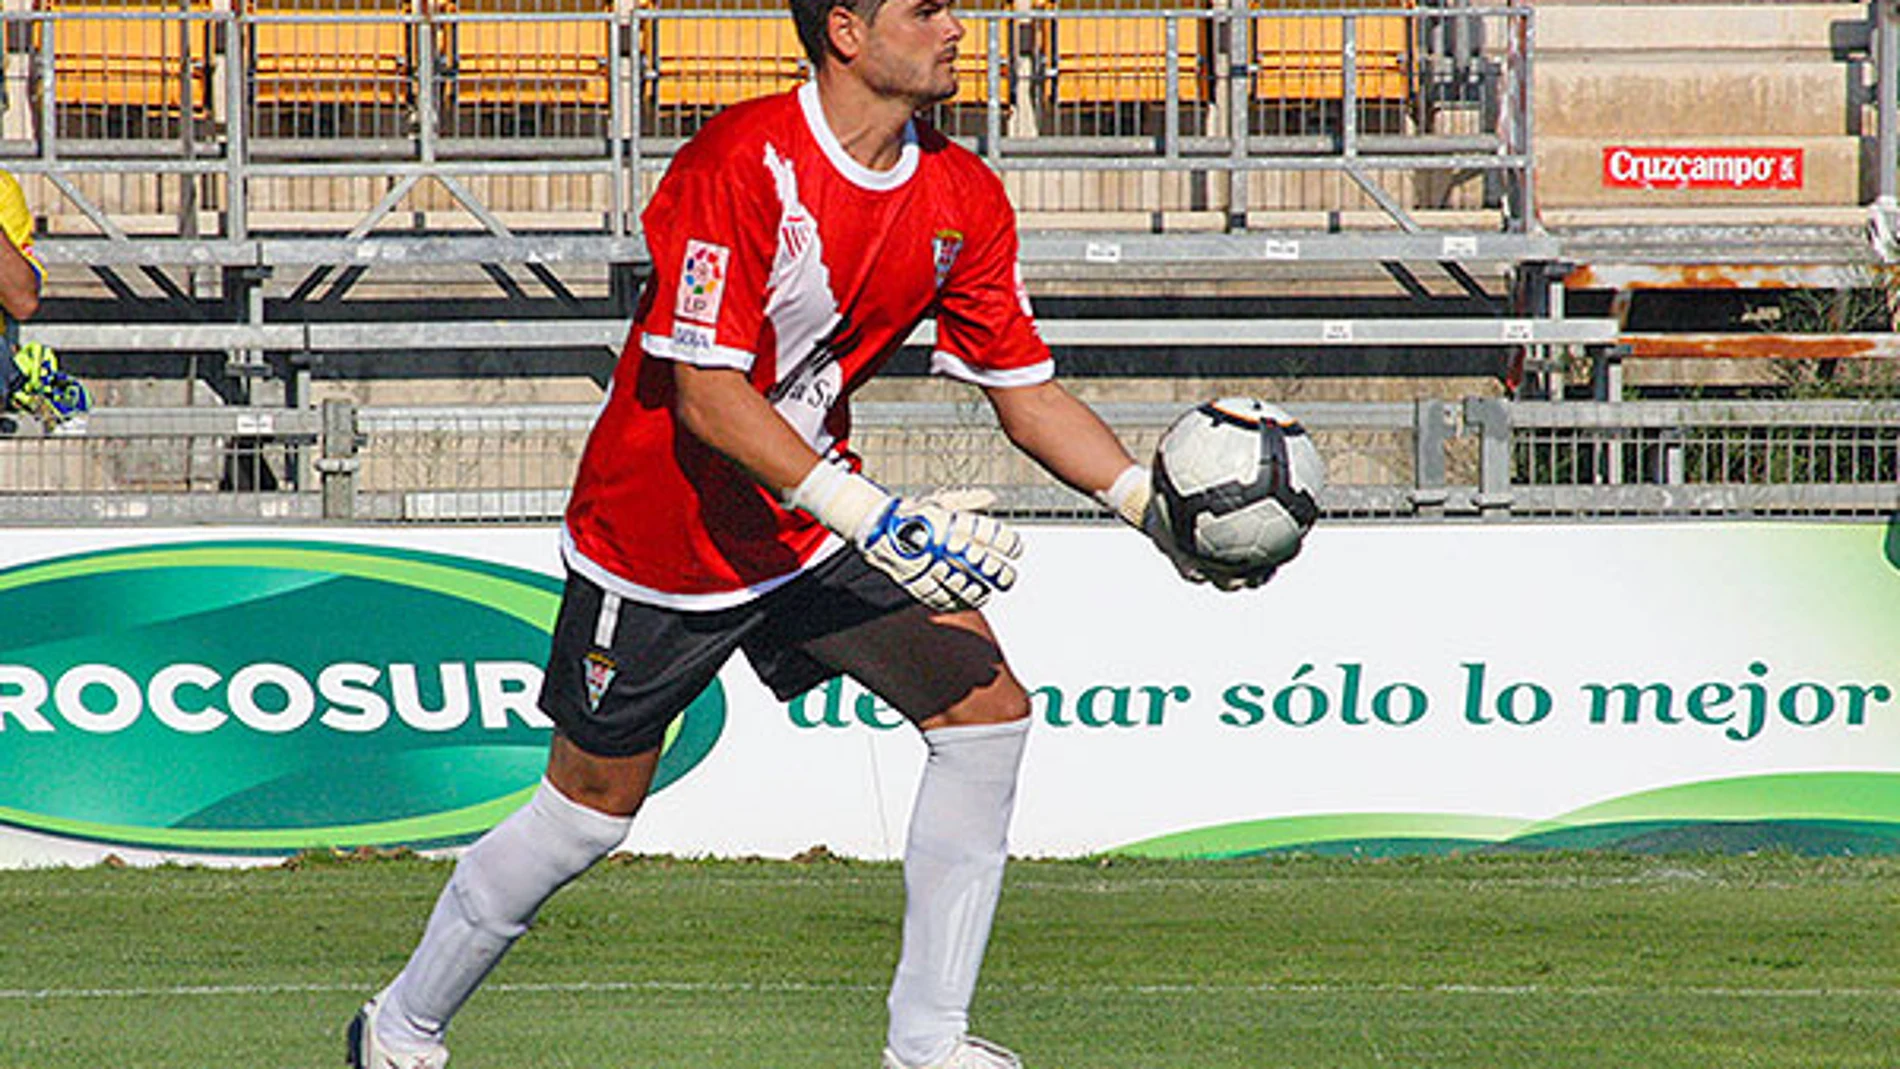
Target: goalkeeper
{"points": [[34, 382], [796, 242]]}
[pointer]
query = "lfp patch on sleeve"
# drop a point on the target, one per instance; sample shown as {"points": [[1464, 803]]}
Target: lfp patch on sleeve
{"points": [[702, 282]]}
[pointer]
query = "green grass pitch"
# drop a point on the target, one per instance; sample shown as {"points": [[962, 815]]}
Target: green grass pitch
{"points": [[1539, 961]]}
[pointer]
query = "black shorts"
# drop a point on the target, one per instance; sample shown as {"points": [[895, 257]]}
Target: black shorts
{"points": [[620, 671]]}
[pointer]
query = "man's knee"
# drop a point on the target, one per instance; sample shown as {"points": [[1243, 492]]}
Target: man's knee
{"points": [[612, 785], [1003, 701]]}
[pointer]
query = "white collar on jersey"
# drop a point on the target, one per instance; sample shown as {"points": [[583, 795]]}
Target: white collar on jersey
{"points": [[855, 172]]}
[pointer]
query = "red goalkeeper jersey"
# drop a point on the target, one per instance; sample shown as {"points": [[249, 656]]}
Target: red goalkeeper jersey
{"points": [[776, 254]]}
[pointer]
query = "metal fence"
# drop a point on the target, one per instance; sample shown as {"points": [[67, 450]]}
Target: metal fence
{"points": [[190, 119], [1485, 458], [1693, 458]]}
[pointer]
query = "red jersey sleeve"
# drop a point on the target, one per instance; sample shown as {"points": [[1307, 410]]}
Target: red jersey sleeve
{"points": [[707, 234], [986, 331]]}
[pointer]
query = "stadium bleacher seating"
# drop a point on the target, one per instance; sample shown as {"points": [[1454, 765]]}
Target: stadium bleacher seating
{"points": [[320, 53], [1303, 58], [317, 53], [702, 64], [711, 62], [1444, 95], [973, 85], [141, 60], [529, 63], [1124, 59]]}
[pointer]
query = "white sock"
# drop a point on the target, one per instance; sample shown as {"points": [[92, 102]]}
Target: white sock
{"points": [[953, 875], [498, 885]]}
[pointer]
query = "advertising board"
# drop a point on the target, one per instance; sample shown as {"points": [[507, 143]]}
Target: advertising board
{"points": [[238, 695]]}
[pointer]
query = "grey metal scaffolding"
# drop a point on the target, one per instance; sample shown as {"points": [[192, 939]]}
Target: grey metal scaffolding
{"points": [[337, 137]]}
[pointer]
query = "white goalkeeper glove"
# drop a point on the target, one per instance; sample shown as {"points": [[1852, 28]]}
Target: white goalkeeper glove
{"points": [[938, 548], [1132, 497]]}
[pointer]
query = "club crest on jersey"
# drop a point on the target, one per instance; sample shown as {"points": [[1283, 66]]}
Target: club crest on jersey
{"points": [[944, 249], [598, 670], [702, 282]]}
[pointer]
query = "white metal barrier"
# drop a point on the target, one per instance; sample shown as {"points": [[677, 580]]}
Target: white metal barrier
{"points": [[1482, 458]]}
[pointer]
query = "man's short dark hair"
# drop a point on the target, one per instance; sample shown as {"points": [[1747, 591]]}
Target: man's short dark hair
{"points": [[811, 17]]}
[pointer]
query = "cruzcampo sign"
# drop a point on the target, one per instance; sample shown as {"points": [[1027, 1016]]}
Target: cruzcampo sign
{"points": [[271, 696]]}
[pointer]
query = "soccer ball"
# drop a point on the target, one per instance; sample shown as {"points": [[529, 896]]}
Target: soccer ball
{"points": [[1237, 481]]}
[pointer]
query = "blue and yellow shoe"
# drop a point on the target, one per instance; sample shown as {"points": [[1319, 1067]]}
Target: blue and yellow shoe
{"points": [[36, 385]]}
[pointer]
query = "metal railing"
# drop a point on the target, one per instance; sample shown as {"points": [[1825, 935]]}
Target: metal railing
{"points": [[155, 120], [1429, 459], [1720, 458]]}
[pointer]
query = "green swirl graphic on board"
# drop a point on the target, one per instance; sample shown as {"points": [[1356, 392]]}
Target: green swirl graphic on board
{"points": [[1893, 539], [1815, 812], [271, 696]]}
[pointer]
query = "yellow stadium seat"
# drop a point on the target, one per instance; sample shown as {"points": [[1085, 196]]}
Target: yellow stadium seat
{"points": [[327, 52], [973, 83], [531, 62], [1303, 59], [142, 60], [1112, 59], [714, 62]]}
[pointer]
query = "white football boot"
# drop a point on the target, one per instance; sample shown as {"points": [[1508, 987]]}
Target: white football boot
{"points": [[367, 1052], [969, 1053]]}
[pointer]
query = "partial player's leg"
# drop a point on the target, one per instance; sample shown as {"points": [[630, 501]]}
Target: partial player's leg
{"points": [[953, 876], [947, 674], [498, 885], [617, 675], [958, 842]]}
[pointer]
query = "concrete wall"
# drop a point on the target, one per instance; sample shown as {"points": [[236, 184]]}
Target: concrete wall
{"points": [[1680, 74]]}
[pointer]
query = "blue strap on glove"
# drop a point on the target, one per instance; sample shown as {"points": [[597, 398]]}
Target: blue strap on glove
{"points": [[939, 548], [947, 558]]}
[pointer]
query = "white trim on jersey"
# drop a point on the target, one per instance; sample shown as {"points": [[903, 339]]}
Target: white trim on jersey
{"points": [[857, 173], [725, 599], [713, 355], [943, 362]]}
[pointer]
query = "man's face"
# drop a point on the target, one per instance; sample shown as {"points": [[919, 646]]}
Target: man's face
{"points": [[910, 51]]}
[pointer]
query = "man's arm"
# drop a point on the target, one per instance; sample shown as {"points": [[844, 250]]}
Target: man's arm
{"points": [[1067, 438], [946, 559], [720, 408], [19, 283], [1062, 434], [19, 275]]}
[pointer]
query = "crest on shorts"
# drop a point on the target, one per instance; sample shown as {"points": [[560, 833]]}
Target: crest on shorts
{"points": [[944, 249], [598, 671]]}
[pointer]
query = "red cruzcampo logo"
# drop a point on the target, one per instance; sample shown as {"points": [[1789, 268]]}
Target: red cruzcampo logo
{"points": [[1678, 167]]}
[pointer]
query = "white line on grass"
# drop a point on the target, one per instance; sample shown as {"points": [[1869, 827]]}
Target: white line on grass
{"points": [[799, 987]]}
